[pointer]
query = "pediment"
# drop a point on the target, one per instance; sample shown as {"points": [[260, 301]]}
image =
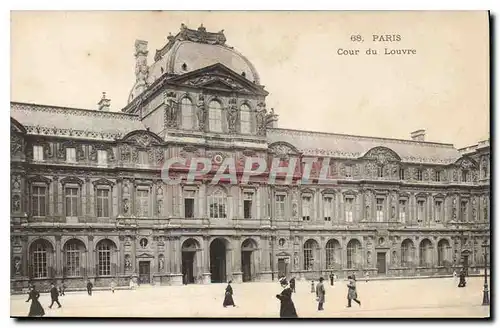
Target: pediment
{"points": [[381, 155], [283, 254], [15, 126], [144, 256], [466, 163], [142, 138], [283, 150], [220, 78]]}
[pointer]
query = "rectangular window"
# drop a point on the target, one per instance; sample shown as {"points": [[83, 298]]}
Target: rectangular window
{"points": [[349, 203], [438, 176], [306, 208], [420, 210], [401, 174], [38, 205], [380, 171], [40, 262], [280, 206], [465, 175], [247, 205], [438, 210], [102, 157], [463, 210], [380, 210], [215, 119], [104, 258], [218, 205], [38, 153], [328, 208], [348, 171], [72, 260], [71, 155], [102, 203], [419, 174], [245, 122], [142, 202], [402, 210], [71, 195], [143, 157], [189, 197]]}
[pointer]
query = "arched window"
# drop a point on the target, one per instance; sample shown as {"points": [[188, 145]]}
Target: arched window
{"points": [[104, 251], [309, 252], [443, 249], [217, 205], [406, 253], [245, 119], [73, 251], [333, 254], [40, 259], [353, 254], [215, 116], [187, 113], [425, 253]]}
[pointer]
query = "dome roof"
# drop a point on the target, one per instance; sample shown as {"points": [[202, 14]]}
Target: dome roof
{"points": [[190, 50]]}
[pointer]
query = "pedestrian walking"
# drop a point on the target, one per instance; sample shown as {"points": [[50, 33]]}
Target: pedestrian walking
{"points": [[228, 298], [351, 292], [89, 288], [113, 286], [292, 284], [313, 290], [332, 277], [36, 309], [320, 294], [462, 281], [353, 276], [54, 295], [62, 289], [367, 276], [287, 308]]}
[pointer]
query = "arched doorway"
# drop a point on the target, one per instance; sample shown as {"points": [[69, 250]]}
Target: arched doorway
{"points": [[248, 248], [218, 260], [189, 248]]}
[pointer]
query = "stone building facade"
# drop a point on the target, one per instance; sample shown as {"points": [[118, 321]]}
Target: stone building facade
{"points": [[88, 200]]}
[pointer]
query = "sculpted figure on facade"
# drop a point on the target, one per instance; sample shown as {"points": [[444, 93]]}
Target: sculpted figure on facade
{"points": [[270, 118], [171, 110], [232, 115], [17, 265], [201, 112], [261, 119]]}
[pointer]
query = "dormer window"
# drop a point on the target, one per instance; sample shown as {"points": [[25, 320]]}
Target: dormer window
{"points": [[184, 67], [243, 74], [38, 153], [162, 70]]}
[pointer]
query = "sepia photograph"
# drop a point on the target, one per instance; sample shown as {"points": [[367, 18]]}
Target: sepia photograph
{"points": [[250, 164]]}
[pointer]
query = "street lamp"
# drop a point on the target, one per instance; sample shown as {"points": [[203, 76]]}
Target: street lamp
{"points": [[486, 297]]}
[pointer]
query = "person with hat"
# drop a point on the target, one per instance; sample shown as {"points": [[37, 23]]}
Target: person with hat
{"points": [[292, 284], [287, 308], [54, 295], [228, 298], [351, 292], [320, 294]]}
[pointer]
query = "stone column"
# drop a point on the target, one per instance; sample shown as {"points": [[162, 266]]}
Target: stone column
{"points": [[266, 274], [236, 268], [58, 257], [176, 275], [91, 257], [121, 269], [134, 253], [206, 260]]}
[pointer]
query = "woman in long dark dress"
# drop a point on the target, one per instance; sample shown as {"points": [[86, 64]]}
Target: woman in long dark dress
{"points": [[228, 298], [287, 308], [36, 309]]}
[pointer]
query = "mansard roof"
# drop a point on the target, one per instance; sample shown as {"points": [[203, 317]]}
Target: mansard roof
{"points": [[73, 122], [349, 146]]}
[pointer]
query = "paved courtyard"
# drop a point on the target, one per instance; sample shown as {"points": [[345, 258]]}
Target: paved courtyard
{"points": [[383, 298]]}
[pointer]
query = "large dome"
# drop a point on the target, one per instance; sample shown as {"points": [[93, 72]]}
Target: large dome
{"points": [[187, 51]]}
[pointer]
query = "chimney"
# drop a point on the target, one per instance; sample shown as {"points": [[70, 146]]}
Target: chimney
{"points": [[104, 103], [418, 135]]}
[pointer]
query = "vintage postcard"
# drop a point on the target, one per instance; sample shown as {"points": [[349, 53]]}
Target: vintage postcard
{"points": [[250, 164]]}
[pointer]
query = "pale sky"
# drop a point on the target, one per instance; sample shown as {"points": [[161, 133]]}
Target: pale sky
{"points": [[70, 58]]}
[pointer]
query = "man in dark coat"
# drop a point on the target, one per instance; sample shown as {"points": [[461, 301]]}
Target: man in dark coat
{"points": [[351, 292], [89, 288], [287, 308], [228, 298], [331, 278], [320, 294], [54, 295], [292, 284], [462, 281], [36, 309]]}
